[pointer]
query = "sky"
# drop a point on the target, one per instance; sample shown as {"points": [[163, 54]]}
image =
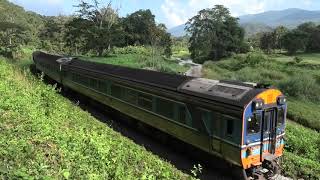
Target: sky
{"points": [[170, 12]]}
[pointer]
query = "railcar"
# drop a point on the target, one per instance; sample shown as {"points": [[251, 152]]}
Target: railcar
{"points": [[243, 123]]}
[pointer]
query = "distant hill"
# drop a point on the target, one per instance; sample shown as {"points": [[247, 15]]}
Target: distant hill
{"points": [[11, 13], [288, 17], [254, 28], [265, 21], [178, 31]]}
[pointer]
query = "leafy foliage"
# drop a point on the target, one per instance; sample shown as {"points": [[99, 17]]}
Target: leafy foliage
{"points": [[140, 57], [17, 28], [214, 34], [302, 155], [295, 40]]}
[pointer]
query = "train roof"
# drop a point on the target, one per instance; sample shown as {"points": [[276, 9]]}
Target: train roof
{"points": [[229, 92], [164, 80]]}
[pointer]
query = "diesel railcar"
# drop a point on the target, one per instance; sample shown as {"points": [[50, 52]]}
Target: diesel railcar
{"points": [[242, 123]]}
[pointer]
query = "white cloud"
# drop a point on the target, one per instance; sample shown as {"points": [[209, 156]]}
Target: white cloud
{"points": [[175, 10]]}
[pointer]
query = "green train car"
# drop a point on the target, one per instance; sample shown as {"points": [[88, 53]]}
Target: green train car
{"points": [[239, 122]]}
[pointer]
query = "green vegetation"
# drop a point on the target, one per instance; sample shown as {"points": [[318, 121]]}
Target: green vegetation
{"points": [[302, 152], [43, 136], [140, 57], [180, 48], [215, 34], [304, 38], [95, 29]]}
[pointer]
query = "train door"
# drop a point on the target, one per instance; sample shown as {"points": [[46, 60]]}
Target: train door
{"points": [[268, 133]]}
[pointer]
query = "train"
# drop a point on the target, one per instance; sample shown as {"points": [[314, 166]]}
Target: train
{"points": [[242, 123]]}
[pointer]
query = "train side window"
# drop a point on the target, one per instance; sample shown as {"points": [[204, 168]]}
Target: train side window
{"points": [[103, 86], [182, 114], [145, 101], [253, 124], [131, 96], [165, 108], [116, 91], [93, 83], [280, 115], [206, 117], [230, 127]]}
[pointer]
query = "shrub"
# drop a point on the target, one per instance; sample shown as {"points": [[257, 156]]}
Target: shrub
{"points": [[301, 85], [298, 59], [302, 152], [132, 50], [304, 112]]}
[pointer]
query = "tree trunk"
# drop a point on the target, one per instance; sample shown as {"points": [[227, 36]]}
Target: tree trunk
{"points": [[100, 52], [76, 50]]}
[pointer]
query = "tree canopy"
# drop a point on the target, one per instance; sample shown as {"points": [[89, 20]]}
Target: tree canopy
{"points": [[214, 34]]}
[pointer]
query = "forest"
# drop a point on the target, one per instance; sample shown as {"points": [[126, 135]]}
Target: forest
{"points": [[287, 58]]}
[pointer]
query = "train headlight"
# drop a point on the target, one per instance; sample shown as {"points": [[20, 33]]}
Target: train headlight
{"points": [[281, 100], [258, 104]]}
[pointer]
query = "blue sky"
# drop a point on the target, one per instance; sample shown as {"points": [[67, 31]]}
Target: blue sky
{"points": [[171, 12]]}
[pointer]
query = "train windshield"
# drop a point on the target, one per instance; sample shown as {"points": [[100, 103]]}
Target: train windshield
{"points": [[254, 124], [280, 114]]}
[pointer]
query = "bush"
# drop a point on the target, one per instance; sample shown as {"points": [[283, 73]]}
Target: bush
{"points": [[304, 112], [301, 85], [302, 152], [141, 50], [298, 59]]}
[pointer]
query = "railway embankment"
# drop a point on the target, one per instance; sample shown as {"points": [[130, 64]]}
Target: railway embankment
{"points": [[43, 135]]}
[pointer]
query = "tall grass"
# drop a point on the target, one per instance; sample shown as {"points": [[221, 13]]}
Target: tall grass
{"points": [[140, 57]]}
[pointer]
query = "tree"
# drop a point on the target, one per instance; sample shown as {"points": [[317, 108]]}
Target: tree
{"points": [[314, 42], [279, 32], [160, 40], [75, 38], [141, 29], [52, 34], [102, 28], [214, 34], [295, 40], [268, 42], [138, 27]]}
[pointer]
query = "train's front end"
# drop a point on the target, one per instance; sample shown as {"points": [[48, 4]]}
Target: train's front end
{"points": [[263, 132]]}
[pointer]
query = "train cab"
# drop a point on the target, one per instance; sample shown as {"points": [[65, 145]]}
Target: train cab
{"points": [[263, 130]]}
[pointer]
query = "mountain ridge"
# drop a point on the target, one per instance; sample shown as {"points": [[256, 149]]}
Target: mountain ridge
{"points": [[260, 22]]}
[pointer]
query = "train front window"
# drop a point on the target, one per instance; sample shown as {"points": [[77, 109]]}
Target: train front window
{"points": [[253, 124], [280, 120]]}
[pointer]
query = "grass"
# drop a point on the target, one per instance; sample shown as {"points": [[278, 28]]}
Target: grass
{"points": [[304, 112], [45, 136], [302, 152], [180, 52], [157, 63], [311, 58]]}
